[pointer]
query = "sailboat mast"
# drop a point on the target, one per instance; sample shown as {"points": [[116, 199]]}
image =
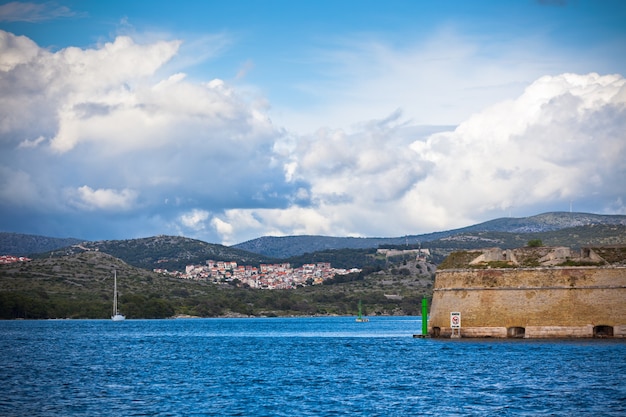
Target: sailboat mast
{"points": [[114, 292], [116, 314]]}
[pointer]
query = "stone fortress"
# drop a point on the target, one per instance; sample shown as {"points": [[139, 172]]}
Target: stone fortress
{"points": [[531, 292]]}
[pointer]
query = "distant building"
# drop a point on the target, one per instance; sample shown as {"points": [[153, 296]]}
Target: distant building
{"points": [[420, 254]]}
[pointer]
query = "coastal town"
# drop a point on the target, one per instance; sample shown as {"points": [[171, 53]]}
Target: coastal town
{"points": [[276, 276], [266, 276]]}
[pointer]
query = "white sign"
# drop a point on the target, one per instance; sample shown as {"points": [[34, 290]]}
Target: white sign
{"points": [[455, 320]]}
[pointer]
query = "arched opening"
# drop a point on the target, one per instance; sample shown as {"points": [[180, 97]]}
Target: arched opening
{"points": [[516, 332], [436, 332], [603, 331]]}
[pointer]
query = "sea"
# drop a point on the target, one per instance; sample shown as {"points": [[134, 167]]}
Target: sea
{"points": [[317, 366]]}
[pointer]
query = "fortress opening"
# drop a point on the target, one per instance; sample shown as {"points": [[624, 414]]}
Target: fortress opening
{"points": [[436, 331], [603, 331], [516, 332]]}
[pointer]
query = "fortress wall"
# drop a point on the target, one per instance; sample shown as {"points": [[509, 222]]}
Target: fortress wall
{"points": [[546, 302]]}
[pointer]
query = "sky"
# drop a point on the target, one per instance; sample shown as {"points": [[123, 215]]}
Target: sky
{"points": [[226, 121]]}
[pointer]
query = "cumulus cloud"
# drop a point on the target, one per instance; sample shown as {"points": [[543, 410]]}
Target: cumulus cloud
{"points": [[194, 219], [87, 198], [107, 117], [563, 139], [106, 138], [56, 95]]}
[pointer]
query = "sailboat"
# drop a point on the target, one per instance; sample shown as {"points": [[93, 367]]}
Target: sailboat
{"points": [[360, 318], [116, 314]]}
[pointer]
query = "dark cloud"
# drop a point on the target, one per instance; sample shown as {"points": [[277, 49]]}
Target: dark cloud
{"points": [[17, 11]]}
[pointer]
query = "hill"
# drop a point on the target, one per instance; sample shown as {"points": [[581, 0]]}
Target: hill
{"points": [[573, 237], [175, 252], [19, 244], [164, 252], [76, 281], [80, 285], [518, 228]]}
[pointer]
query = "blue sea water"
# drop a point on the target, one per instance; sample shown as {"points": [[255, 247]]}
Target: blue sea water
{"points": [[297, 367]]}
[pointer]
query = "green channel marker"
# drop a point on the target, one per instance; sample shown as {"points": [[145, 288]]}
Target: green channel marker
{"points": [[424, 316]]}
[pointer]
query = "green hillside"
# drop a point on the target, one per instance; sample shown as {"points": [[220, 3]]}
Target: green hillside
{"points": [[81, 286], [165, 252], [19, 244]]}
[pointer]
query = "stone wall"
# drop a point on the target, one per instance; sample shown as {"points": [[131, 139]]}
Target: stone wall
{"points": [[531, 302]]}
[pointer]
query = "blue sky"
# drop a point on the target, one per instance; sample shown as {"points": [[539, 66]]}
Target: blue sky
{"points": [[226, 121]]}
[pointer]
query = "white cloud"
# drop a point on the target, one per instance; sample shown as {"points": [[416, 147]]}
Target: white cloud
{"points": [[56, 95], [105, 116], [563, 139], [238, 225], [105, 96], [109, 117], [26, 143], [16, 50], [222, 228], [86, 198], [194, 219]]}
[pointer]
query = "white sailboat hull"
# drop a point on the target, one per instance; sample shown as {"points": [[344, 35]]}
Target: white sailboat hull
{"points": [[118, 317]]}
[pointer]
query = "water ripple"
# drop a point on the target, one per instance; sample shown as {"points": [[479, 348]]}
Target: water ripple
{"points": [[305, 367]]}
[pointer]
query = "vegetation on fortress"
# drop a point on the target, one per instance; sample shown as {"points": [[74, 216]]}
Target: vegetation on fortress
{"points": [[536, 255]]}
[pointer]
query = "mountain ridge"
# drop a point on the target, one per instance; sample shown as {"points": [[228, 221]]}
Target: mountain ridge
{"points": [[162, 252], [172, 251], [287, 246], [21, 244]]}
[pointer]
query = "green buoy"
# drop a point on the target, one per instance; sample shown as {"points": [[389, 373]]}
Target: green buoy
{"points": [[424, 316]]}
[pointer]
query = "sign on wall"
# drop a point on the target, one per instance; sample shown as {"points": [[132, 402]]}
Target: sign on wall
{"points": [[455, 320]]}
